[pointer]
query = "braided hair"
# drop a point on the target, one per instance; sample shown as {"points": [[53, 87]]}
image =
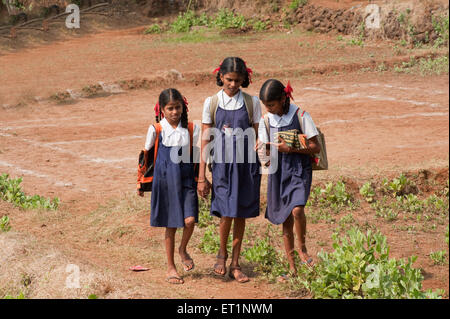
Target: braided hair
{"points": [[274, 90], [170, 95], [233, 64]]}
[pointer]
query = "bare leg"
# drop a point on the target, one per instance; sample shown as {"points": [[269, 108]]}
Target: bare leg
{"points": [[288, 238], [238, 236], [170, 248], [189, 224], [224, 232], [300, 229]]}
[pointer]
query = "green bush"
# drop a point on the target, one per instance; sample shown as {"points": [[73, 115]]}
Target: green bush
{"points": [[4, 224], [10, 191], [441, 27], [226, 19], [333, 196], [367, 192], [154, 28], [360, 267], [439, 257]]}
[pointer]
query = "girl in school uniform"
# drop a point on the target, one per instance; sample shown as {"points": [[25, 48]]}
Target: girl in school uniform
{"points": [[289, 186], [231, 114], [174, 200]]}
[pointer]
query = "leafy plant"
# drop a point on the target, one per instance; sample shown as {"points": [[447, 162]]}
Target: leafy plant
{"points": [[367, 192], [360, 267], [154, 28], [4, 224], [333, 196], [439, 257], [441, 27], [210, 242], [226, 19], [10, 191], [259, 25]]}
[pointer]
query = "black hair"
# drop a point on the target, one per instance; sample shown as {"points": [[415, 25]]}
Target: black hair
{"points": [[233, 64], [273, 90], [170, 95]]}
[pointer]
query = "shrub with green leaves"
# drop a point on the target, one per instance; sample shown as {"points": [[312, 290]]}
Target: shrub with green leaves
{"points": [[4, 224], [333, 196], [441, 27], [204, 217], [153, 29], [360, 267], [439, 257], [226, 19], [368, 192], [10, 191]]}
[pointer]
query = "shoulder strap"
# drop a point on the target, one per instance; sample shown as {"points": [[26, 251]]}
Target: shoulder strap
{"points": [[300, 114], [214, 103], [266, 123], [191, 134], [158, 130], [248, 100]]}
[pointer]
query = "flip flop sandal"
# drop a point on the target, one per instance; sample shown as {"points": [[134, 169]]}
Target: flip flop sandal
{"points": [[178, 281], [219, 266], [188, 264], [285, 277], [139, 268], [241, 278], [308, 262]]}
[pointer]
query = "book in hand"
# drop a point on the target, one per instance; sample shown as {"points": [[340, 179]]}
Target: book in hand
{"points": [[292, 138]]}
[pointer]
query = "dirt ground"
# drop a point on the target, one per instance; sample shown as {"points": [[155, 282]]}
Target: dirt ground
{"points": [[84, 151]]}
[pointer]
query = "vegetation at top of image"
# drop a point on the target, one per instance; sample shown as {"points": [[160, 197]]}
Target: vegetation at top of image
{"points": [[11, 191], [441, 27], [297, 3]]}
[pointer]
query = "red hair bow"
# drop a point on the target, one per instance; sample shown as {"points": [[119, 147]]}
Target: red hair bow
{"points": [[186, 103], [158, 111], [249, 71], [217, 69], [288, 90]]}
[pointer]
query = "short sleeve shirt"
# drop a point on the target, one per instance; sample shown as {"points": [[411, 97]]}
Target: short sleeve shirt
{"points": [[310, 129]]}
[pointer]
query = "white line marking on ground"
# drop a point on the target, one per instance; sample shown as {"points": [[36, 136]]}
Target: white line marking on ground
{"points": [[28, 172], [423, 114]]}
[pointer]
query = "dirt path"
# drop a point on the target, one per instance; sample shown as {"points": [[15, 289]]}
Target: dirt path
{"points": [[85, 153]]}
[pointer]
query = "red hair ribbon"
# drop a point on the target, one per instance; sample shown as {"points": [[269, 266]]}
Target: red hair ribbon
{"points": [[158, 111], [217, 69], [186, 103], [249, 71], [288, 90]]}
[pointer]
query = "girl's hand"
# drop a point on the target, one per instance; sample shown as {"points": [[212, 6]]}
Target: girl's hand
{"points": [[140, 193], [203, 187], [282, 146]]}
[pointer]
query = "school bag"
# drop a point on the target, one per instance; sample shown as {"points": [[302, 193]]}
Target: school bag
{"points": [[319, 161], [147, 160]]}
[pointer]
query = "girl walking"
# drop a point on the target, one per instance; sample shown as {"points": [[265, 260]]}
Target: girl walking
{"points": [[174, 201], [289, 186], [232, 117]]}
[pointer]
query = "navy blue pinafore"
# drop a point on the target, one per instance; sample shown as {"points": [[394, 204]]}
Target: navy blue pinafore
{"points": [[174, 190], [290, 185], [235, 182]]}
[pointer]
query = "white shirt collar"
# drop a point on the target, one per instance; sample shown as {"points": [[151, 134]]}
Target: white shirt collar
{"points": [[230, 102], [168, 129], [285, 119]]}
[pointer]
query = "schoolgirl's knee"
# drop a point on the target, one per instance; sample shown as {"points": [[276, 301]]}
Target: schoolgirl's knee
{"points": [[298, 212], [189, 222]]}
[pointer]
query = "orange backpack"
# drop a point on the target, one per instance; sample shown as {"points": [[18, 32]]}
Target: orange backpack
{"points": [[147, 160]]}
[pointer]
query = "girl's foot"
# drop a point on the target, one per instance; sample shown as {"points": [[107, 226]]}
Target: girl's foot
{"points": [[306, 259], [174, 278], [219, 267], [238, 275], [286, 277], [187, 261]]}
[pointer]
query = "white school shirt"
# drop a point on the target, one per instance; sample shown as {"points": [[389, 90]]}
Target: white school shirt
{"points": [[171, 136], [230, 104], [310, 129]]}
